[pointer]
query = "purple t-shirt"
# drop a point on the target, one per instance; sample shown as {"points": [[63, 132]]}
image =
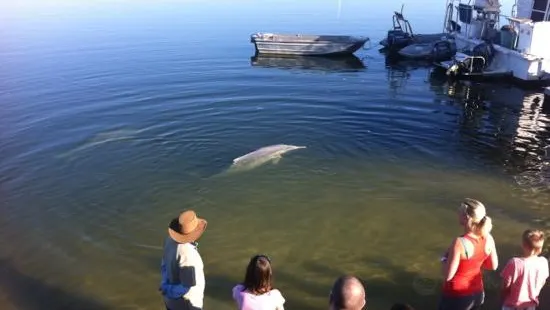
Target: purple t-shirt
{"points": [[272, 300]]}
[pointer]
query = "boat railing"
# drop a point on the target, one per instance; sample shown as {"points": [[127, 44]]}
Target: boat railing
{"points": [[452, 70], [472, 58], [400, 23], [448, 21]]}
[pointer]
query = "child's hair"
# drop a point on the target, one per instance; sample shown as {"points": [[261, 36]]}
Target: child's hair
{"points": [[401, 306], [533, 240], [258, 278]]}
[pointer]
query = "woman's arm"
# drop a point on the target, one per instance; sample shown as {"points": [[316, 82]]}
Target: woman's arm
{"points": [[453, 259], [491, 263]]}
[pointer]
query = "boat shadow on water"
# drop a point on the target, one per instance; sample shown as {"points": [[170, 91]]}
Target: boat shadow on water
{"points": [[319, 63]]}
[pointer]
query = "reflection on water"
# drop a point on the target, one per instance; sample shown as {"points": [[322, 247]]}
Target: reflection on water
{"points": [[399, 71], [346, 63], [502, 125], [509, 126], [509, 118]]}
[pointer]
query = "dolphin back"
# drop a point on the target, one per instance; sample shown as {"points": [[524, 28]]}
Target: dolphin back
{"points": [[257, 158], [267, 151]]}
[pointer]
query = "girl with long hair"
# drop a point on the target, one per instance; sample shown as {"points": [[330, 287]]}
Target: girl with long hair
{"points": [[257, 291]]}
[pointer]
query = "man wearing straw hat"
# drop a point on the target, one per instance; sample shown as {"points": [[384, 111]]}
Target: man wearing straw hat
{"points": [[182, 269]]}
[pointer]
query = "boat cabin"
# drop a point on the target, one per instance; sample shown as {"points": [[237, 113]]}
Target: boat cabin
{"points": [[535, 10], [527, 29], [522, 45], [532, 24]]}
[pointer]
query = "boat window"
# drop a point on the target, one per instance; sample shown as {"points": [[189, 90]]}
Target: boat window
{"points": [[540, 5], [537, 16]]}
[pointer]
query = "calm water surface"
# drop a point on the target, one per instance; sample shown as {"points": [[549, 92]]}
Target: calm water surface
{"points": [[116, 116]]}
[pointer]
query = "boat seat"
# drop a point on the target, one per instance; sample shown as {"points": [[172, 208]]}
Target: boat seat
{"points": [[461, 56], [446, 64]]}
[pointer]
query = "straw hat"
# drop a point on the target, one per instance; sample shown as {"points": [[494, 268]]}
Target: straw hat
{"points": [[186, 228]]}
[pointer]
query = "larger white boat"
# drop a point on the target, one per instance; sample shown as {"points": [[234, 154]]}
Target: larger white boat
{"points": [[519, 49]]}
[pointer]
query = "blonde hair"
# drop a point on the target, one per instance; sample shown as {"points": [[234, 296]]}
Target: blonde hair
{"points": [[533, 239], [477, 220]]}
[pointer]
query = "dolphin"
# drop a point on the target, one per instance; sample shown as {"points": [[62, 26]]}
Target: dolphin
{"points": [[272, 153], [102, 138]]}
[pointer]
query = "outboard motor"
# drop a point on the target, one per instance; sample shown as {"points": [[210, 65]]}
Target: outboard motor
{"points": [[443, 50], [484, 50], [481, 57]]}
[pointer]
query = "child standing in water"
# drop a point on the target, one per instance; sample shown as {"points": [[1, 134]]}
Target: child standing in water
{"points": [[257, 292], [524, 277]]}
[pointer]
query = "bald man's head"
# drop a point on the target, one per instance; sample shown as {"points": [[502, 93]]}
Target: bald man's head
{"points": [[348, 293]]}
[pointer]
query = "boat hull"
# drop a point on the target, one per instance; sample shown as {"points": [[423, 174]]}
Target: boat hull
{"points": [[306, 45], [403, 40], [436, 51]]}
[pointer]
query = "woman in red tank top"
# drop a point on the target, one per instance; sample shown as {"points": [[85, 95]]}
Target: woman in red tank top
{"points": [[468, 254]]}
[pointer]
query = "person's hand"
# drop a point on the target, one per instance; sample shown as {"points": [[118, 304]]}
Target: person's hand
{"points": [[491, 241], [445, 255]]}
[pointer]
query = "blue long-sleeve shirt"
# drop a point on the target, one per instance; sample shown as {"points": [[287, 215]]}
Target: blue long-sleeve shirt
{"points": [[173, 291]]}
